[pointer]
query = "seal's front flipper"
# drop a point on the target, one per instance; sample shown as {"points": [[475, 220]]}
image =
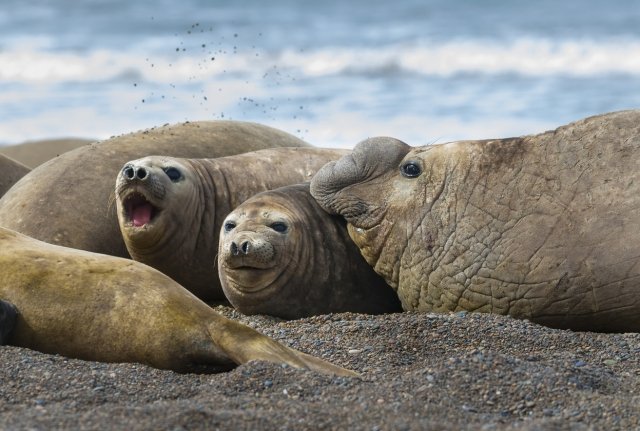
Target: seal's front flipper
{"points": [[243, 344], [8, 314]]}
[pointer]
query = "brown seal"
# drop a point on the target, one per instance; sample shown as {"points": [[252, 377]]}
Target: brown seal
{"points": [[103, 308], [69, 200], [171, 210], [35, 153], [543, 227], [10, 172], [281, 254]]}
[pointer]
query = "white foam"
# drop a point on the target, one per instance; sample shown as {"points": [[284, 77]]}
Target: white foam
{"points": [[535, 57]]}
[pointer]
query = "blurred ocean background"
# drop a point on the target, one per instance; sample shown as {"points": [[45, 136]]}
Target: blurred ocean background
{"points": [[332, 72]]}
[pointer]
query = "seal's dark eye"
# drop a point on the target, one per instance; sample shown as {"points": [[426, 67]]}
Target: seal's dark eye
{"points": [[173, 174], [229, 226], [411, 169], [279, 227]]}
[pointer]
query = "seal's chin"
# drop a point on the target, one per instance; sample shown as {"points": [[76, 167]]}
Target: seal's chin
{"points": [[249, 279], [139, 212]]}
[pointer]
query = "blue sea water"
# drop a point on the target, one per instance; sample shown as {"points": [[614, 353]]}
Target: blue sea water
{"points": [[332, 72]]}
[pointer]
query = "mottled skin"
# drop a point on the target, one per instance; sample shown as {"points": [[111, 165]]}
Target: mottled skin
{"points": [[181, 238], [10, 172], [103, 308], [543, 227], [281, 254], [69, 200]]}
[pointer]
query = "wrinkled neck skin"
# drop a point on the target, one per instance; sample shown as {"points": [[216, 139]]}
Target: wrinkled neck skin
{"points": [[184, 246], [404, 211], [288, 289]]}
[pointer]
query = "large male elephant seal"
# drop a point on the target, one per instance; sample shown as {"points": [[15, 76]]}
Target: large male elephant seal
{"points": [[69, 200], [543, 227], [103, 308], [171, 210], [10, 172], [283, 255]]}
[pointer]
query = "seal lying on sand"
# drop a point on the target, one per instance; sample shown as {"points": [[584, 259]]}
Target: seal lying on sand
{"points": [[171, 210], [103, 308], [10, 172], [35, 153], [69, 200], [281, 254], [543, 227]]}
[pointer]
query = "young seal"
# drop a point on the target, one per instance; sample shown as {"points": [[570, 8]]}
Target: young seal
{"points": [[281, 254], [543, 227], [171, 210], [10, 172], [69, 200], [103, 308]]}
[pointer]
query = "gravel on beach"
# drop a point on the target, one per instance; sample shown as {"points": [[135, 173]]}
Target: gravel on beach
{"points": [[419, 371]]}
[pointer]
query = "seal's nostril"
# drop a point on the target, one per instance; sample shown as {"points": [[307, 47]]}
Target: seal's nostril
{"points": [[141, 173], [245, 247], [128, 172], [234, 248]]}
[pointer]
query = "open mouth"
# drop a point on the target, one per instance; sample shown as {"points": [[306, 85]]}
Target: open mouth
{"points": [[139, 211]]}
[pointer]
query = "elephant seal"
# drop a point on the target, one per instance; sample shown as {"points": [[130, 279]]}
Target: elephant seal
{"points": [[69, 200], [8, 316], [35, 153], [281, 254], [171, 210], [11, 171], [103, 308], [543, 227]]}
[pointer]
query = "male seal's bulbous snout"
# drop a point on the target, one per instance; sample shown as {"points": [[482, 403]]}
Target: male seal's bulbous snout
{"points": [[132, 172], [240, 247]]}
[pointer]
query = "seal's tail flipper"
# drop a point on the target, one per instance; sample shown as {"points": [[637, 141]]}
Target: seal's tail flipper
{"points": [[243, 344], [8, 314]]}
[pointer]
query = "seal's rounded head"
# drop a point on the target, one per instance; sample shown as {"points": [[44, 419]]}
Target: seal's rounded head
{"points": [[356, 185], [148, 190], [256, 241]]}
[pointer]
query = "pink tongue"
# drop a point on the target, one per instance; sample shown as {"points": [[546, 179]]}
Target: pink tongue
{"points": [[141, 215]]}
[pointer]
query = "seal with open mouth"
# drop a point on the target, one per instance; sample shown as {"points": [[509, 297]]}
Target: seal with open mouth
{"points": [[48, 202], [171, 210]]}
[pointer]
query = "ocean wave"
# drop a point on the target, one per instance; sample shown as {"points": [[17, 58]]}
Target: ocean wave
{"points": [[528, 57]]}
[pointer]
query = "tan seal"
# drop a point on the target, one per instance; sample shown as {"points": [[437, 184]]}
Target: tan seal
{"points": [[35, 153], [10, 172], [542, 227], [281, 254], [103, 308], [171, 210], [69, 199]]}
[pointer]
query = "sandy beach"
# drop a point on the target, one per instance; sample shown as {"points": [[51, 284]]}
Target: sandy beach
{"points": [[419, 371]]}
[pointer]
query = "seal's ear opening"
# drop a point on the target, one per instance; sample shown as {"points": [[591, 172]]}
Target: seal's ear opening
{"points": [[8, 316]]}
